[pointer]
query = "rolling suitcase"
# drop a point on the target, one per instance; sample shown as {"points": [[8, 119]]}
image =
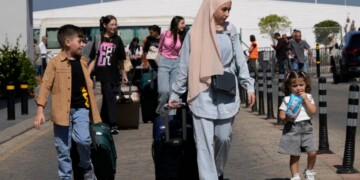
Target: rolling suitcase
{"points": [[127, 107], [103, 154], [148, 95], [174, 150]]}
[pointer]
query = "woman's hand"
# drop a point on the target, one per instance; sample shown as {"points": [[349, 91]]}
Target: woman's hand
{"points": [[251, 99], [173, 104]]}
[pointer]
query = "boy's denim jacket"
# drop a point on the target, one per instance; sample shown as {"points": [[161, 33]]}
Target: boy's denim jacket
{"points": [[57, 81]]}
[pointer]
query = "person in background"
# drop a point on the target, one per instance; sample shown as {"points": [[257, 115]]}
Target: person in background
{"points": [[107, 61], [37, 59], [296, 47], [134, 52], [73, 102], [253, 55], [44, 53], [152, 42], [281, 49], [170, 43], [207, 51]]}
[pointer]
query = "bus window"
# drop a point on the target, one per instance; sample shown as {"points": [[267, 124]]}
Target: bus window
{"points": [[36, 33], [129, 32]]}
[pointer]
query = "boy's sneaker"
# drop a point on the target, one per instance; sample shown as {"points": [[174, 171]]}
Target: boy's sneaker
{"points": [[114, 130], [89, 174], [309, 174], [296, 177]]}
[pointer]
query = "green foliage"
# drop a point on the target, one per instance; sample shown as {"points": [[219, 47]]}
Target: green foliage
{"points": [[323, 28], [273, 23], [15, 67]]}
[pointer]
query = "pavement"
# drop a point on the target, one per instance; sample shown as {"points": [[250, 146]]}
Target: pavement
{"points": [[253, 154]]}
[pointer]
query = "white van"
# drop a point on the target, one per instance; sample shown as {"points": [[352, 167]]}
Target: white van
{"points": [[128, 28]]}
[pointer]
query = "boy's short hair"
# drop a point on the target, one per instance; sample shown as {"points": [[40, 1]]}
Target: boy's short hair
{"points": [[68, 31]]}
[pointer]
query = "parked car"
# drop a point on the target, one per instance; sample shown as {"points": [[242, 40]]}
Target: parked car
{"points": [[347, 65]]}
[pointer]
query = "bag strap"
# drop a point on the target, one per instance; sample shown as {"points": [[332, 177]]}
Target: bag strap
{"points": [[229, 32]]}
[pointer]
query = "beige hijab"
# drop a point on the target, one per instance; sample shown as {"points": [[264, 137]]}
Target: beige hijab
{"points": [[205, 56]]}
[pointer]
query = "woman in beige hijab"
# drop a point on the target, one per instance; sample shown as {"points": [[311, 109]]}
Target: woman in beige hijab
{"points": [[211, 47]]}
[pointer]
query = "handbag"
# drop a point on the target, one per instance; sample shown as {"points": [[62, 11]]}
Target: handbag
{"points": [[127, 64], [224, 84]]}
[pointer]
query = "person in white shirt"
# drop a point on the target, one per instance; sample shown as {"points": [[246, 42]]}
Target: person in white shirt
{"points": [[43, 52]]}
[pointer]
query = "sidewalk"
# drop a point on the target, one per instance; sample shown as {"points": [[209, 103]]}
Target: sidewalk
{"points": [[253, 154]]}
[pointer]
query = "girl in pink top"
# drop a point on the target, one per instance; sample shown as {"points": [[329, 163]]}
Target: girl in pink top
{"points": [[169, 47]]}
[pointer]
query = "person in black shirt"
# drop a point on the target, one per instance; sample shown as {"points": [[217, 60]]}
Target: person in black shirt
{"points": [[152, 40], [105, 61]]}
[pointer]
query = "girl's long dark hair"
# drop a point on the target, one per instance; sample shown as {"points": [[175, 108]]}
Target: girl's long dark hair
{"points": [[175, 30], [105, 20], [290, 76], [133, 48]]}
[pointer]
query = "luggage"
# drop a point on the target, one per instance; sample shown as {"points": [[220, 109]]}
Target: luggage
{"points": [[148, 95], [174, 150], [103, 154], [127, 107]]}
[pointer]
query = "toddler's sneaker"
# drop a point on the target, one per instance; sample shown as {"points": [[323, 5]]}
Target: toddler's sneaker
{"points": [[309, 174], [296, 177]]}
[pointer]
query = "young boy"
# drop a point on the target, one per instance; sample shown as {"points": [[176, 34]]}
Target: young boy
{"points": [[67, 79]]}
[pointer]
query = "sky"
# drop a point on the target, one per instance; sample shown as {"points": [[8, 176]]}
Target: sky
{"points": [[39, 5]]}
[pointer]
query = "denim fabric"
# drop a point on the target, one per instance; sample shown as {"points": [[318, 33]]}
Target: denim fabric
{"points": [[213, 138], [38, 69], [296, 65], [168, 69], [79, 132]]}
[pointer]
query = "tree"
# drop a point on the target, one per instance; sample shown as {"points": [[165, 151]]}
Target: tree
{"points": [[15, 67], [323, 28], [273, 23]]}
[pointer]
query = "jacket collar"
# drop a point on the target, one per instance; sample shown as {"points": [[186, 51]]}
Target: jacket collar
{"points": [[63, 57]]}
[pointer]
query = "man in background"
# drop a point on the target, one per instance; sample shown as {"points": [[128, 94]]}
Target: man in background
{"points": [[280, 48], [296, 47], [43, 52]]}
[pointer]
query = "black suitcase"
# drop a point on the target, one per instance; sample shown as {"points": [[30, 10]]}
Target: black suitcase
{"points": [[173, 149], [148, 95], [103, 154]]}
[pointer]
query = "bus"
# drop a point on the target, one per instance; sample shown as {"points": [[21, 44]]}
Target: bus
{"points": [[128, 28]]}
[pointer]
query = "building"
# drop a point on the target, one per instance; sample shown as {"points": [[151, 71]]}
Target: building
{"points": [[245, 14], [16, 19]]}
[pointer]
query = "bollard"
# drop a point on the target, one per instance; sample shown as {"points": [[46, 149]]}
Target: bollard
{"points": [[261, 93], [280, 97], [10, 93], [254, 107], [246, 98], [323, 131], [349, 152], [317, 60], [270, 107], [24, 98], [242, 94]]}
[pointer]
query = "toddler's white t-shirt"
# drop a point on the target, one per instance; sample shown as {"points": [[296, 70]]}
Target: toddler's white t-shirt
{"points": [[303, 115]]}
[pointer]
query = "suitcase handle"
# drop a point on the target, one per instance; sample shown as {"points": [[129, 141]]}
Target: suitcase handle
{"points": [[183, 117]]}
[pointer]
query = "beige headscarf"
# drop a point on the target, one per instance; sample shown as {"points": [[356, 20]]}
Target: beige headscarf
{"points": [[205, 56]]}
